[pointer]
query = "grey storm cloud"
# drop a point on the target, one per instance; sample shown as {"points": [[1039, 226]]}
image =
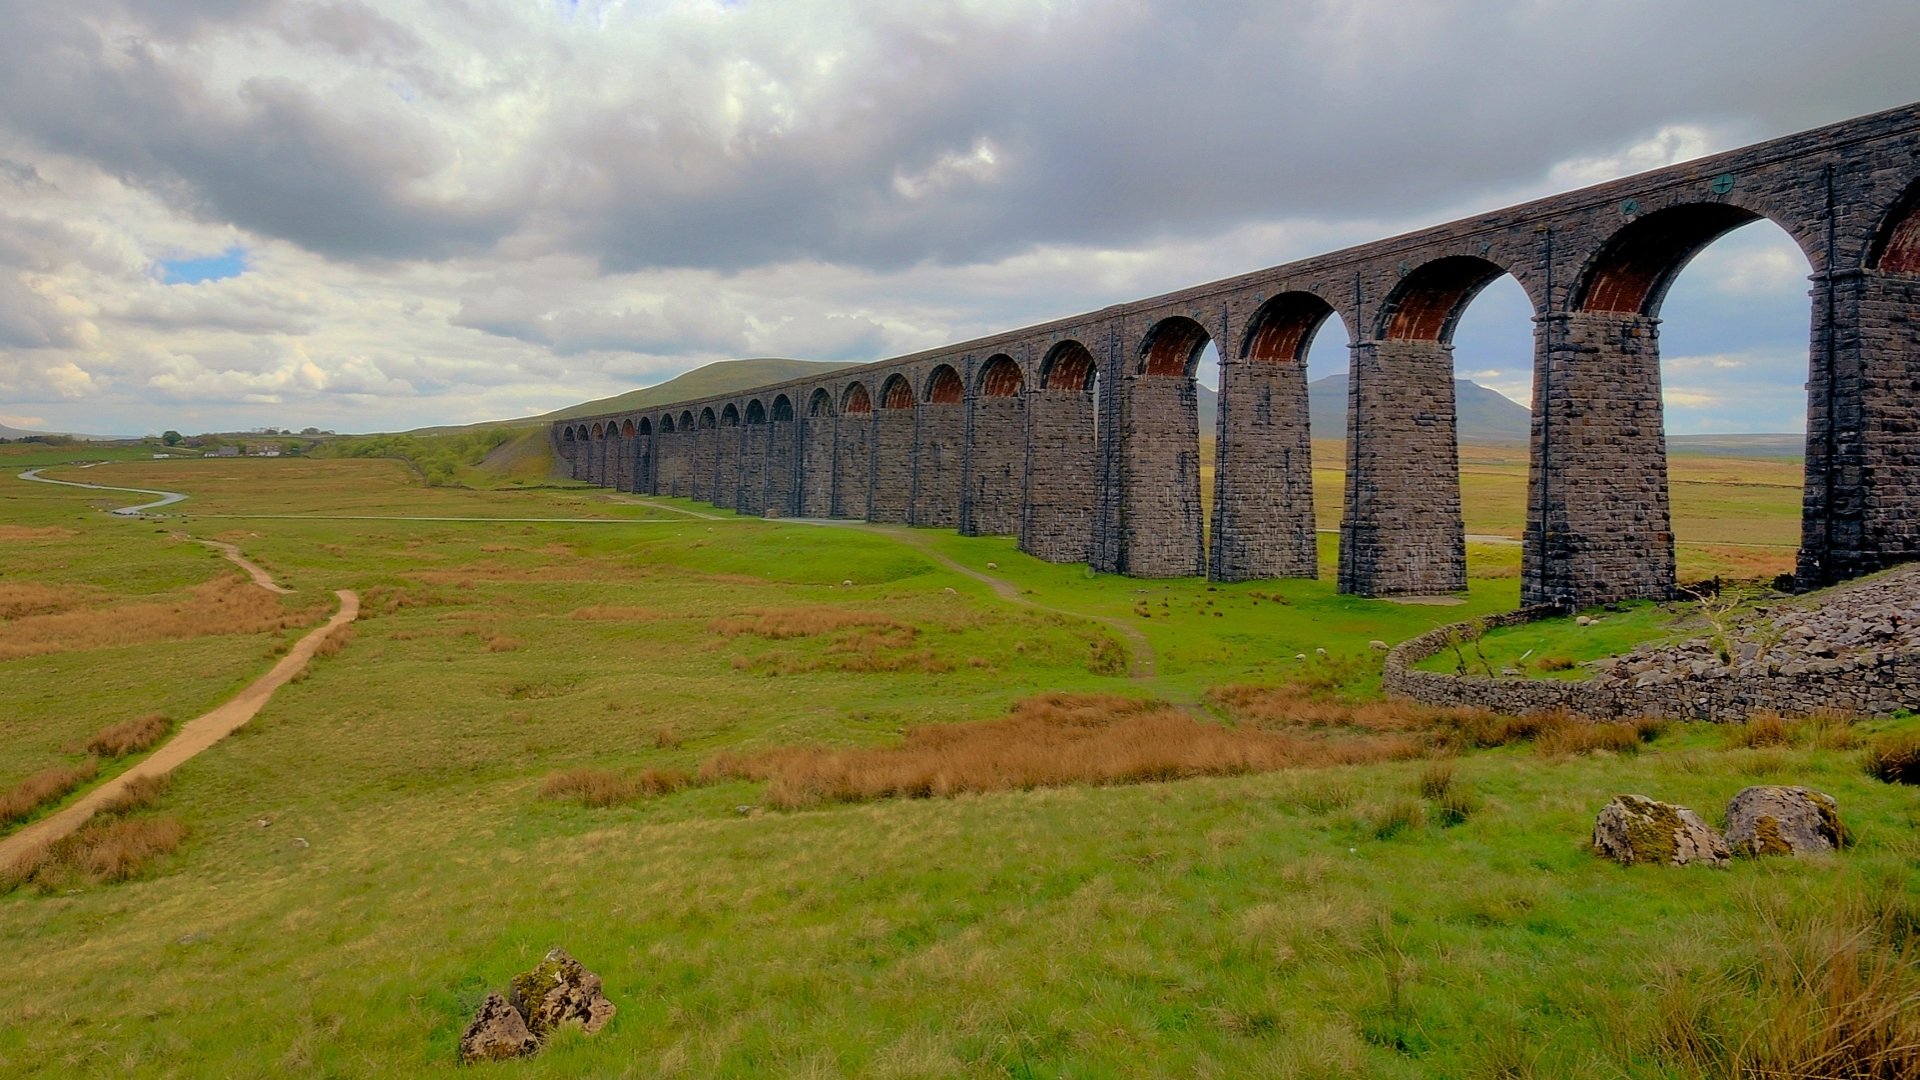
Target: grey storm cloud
{"points": [[951, 133], [275, 157]]}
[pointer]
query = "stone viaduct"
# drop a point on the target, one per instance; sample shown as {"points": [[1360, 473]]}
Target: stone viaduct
{"points": [[1080, 436]]}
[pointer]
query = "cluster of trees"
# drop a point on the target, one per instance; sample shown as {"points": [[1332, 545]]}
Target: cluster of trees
{"points": [[438, 457]]}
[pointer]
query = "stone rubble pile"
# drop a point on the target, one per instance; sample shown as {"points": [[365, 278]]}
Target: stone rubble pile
{"points": [[1857, 626]]}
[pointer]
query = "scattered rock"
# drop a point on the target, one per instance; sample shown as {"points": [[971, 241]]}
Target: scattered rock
{"points": [[1775, 820], [1633, 829], [498, 1032], [559, 989]]}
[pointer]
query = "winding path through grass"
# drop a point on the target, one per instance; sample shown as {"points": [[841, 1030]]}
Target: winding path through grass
{"points": [[194, 736], [167, 498], [202, 731]]}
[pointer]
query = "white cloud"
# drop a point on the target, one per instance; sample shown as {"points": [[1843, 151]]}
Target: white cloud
{"points": [[458, 213]]}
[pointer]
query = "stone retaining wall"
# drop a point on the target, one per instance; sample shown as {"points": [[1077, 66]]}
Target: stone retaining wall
{"points": [[1875, 684]]}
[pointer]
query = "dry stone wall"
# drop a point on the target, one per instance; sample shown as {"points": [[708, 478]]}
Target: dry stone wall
{"points": [[1857, 650]]}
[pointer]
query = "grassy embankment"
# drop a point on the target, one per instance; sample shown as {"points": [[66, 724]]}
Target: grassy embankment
{"points": [[1306, 922]]}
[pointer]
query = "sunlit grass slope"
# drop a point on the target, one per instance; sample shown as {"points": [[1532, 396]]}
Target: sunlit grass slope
{"points": [[373, 853]]}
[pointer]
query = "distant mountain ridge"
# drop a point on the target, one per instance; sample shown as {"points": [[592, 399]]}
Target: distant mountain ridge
{"points": [[1484, 415]]}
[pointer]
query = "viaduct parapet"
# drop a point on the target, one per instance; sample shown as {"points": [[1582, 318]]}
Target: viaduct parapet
{"points": [[1081, 437]]}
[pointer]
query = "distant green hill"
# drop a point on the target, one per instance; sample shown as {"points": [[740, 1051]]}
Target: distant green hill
{"points": [[722, 377]]}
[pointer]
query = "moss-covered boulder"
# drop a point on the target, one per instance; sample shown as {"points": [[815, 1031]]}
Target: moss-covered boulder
{"points": [[557, 990], [1633, 829], [498, 1032], [1774, 820]]}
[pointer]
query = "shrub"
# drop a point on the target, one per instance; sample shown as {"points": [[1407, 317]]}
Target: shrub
{"points": [[20, 801], [1555, 663], [1895, 758], [129, 736]]}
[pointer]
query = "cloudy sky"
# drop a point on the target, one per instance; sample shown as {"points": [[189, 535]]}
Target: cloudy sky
{"points": [[220, 214]]}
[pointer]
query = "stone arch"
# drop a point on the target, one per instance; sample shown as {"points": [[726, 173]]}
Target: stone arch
{"points": [[856, 401], [944, 386], [782, 408], [1896, 247], [896, 392], [1631, 272], [820, 404], [730, 415], [707, 419], [597, 433], [1172, 348], [1000, 377], [1068, 366], [1284, 328], [646, 427], [666, 424], [1427, 304], [756, 412], [566, 434], [626, 428], [686, 420]]}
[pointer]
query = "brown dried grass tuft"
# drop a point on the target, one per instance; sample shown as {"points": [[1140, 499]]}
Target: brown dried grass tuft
{"points": [[20, 801], [603, 787], [19, 599], [1894, 758], [1760, 729], [1313, 704], [780, 624], [618, 614], [104, 850], [1566, 735], [138, 793], [332, 645], [226, 605], [129, 736], [32, 532], [1047, 741], [1832, 992]]}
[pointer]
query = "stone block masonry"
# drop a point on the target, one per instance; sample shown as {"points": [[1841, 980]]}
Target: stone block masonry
{"points": [[938, 442]]}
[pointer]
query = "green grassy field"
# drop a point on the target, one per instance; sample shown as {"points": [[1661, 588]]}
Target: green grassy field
{"points": [[1265, 924]]}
